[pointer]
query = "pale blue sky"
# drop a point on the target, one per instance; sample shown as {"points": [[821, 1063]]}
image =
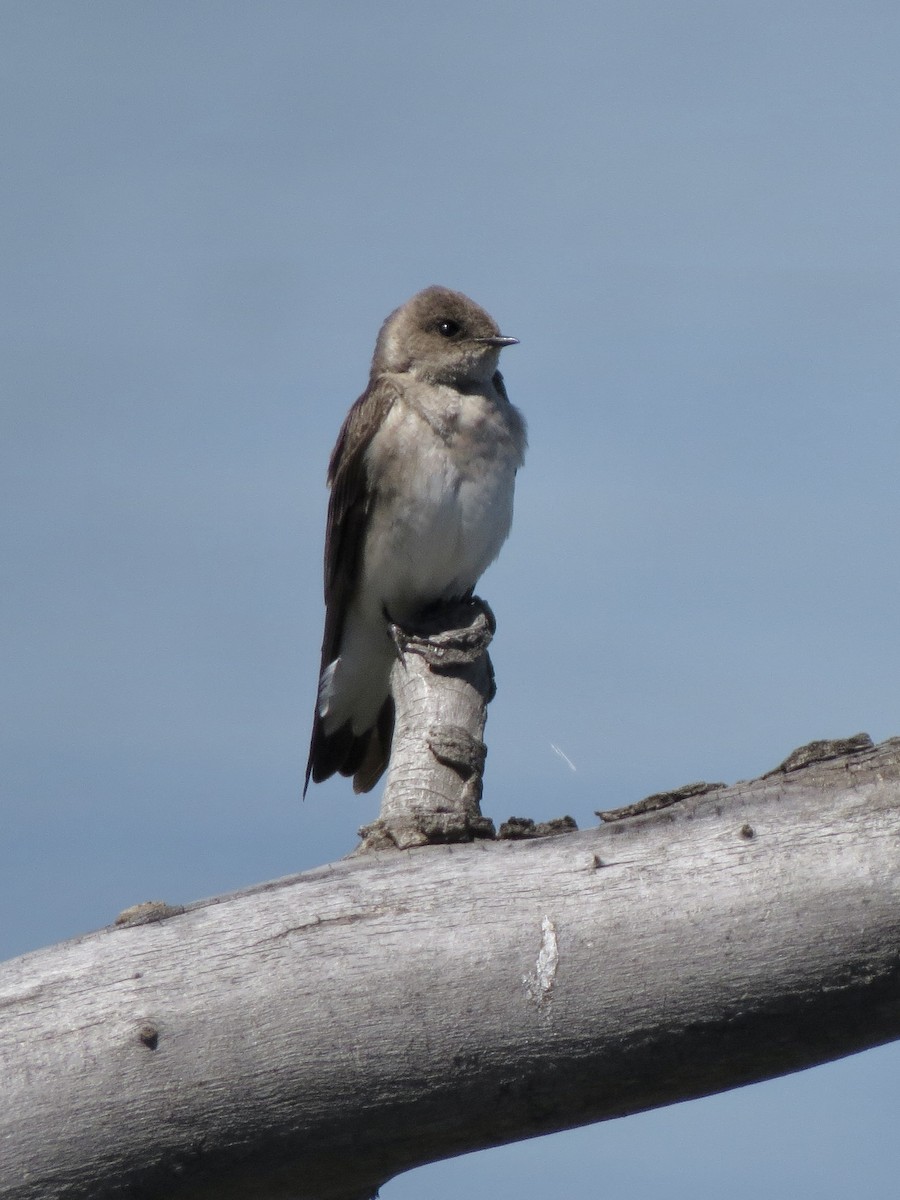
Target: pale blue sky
{"points": [[689, 213]]}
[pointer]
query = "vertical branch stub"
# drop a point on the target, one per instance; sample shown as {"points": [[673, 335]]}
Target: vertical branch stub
{"points": [[441, 684]]}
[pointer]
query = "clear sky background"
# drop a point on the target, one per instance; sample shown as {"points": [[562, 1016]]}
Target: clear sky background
{"points": [[689, 213]]}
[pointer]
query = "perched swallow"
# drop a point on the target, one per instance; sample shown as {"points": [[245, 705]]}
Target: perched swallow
{"points": [[422, 480]]}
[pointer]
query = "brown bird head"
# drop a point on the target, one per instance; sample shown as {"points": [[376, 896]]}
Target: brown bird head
{"points": [[440, 336]]}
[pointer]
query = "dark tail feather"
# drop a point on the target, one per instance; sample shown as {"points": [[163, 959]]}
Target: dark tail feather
{"points": [[364, 756]]}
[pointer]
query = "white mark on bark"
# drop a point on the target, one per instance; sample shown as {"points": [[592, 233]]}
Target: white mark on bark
{"points": [[539, 984]]}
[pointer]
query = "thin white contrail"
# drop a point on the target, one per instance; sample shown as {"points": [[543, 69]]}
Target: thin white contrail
{"points": [[563, 756]]}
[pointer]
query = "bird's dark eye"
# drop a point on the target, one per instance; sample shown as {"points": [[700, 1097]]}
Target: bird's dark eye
{"points": [[449, 329]]}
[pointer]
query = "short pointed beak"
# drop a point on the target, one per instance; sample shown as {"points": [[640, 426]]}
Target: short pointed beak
{"points": [[498, 341]]}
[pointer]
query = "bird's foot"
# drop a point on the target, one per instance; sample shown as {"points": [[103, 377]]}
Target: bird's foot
{"points": [[446, 635]]}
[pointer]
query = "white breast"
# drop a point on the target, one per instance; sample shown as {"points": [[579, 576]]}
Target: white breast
{"points": [[444, 481]]}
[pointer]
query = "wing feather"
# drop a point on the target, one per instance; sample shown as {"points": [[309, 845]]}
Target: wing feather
{"points": [[349, 505]]}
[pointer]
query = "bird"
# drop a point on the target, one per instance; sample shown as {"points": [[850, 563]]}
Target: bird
{"points": [[421, 484]]}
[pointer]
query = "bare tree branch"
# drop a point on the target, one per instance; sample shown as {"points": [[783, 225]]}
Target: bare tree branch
{"points": [[441, 685], [315, 1036]]}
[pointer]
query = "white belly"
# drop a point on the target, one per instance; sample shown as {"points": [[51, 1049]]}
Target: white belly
{"points": [[442, 509], [436, 542]]}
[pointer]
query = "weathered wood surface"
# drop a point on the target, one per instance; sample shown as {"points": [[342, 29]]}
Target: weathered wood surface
{"points": [[315, 1036], [441, 684]]}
